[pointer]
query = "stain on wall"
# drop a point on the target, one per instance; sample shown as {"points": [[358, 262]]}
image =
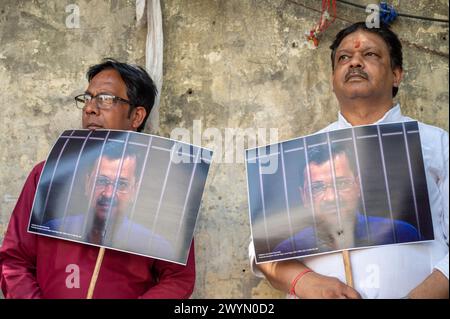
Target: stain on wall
{"points": [[227, 65]]}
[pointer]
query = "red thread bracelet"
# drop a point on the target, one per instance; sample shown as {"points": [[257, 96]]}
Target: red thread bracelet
{"points": [[296, 279]]}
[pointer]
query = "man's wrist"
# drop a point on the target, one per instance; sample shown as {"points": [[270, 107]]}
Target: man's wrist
{"points": [[297, 288]]}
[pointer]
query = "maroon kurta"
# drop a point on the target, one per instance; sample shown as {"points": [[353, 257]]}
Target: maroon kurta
{"points": [[33, 266]]}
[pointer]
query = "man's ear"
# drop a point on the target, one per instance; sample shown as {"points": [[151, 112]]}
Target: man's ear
{"points": [[134, 187], [398, 76], [137, 116]]}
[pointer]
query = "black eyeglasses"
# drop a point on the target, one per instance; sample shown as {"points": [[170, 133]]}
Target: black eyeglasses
{"points": [[123, 186], [103, 101], [318, 189]]}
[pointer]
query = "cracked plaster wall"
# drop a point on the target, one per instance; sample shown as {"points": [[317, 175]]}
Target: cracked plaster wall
{"points": [[227, 64]]}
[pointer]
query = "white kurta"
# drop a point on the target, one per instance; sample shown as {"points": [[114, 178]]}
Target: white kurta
{"points": [[392, 271]]}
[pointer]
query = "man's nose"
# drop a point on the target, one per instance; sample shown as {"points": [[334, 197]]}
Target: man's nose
{"points": [[91, 107], [329, 193], [108, 191], [356, 61]]}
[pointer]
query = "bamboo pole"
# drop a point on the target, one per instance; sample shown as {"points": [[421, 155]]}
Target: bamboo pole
{"points": [[348, 268], [98, 264]]}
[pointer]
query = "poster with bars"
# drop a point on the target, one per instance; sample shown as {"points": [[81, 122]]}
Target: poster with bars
{"points": [[339, 190], [122, 190]]}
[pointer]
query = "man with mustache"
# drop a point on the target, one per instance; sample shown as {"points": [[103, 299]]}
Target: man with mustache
{"points": [[110, 187], [119, 96], [112, 195], [366, 73], [338, 223]]}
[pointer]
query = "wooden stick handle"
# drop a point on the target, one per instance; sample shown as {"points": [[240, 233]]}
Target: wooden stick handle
{"points": [[348, 268], [98, 264]]}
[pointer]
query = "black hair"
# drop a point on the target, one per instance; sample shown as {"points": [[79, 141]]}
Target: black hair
{"points": [[114, 151], [384, 31], [321, 154], [141, 89]]}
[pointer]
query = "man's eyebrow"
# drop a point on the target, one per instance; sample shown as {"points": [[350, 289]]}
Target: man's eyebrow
{"points": [[106, 93], [371, 47], [341, 51]]}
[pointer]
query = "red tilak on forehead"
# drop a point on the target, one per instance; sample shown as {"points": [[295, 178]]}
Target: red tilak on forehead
{"points": [[357, 43]]}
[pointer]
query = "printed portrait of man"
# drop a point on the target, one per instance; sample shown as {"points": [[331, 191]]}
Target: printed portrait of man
{"points": [[330, 190], [110, 189]]}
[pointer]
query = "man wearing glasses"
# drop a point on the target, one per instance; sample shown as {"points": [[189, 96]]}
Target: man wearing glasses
{"points": [[345, 227], [110, 195], [119, 96], [110, 202]]}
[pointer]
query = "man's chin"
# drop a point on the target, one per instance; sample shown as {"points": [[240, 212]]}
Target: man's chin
{"points": [[102, 212], [327, 211], [329, 217], [344, 213], [357, 90]]}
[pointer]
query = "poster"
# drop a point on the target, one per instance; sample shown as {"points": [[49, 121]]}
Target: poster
{"points": [[122, 190], [345, 189]]}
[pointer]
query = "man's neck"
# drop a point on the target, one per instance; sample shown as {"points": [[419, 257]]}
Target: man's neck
{"points": [[95, 236], [363, 112], [95, 230]]}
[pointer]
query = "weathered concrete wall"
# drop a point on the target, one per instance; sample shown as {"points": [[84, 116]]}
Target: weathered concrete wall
{"points": [[42, 67], [228, 64]]}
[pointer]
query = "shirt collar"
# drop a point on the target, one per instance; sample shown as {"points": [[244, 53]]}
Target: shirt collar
{"points": [[393, 115]]}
